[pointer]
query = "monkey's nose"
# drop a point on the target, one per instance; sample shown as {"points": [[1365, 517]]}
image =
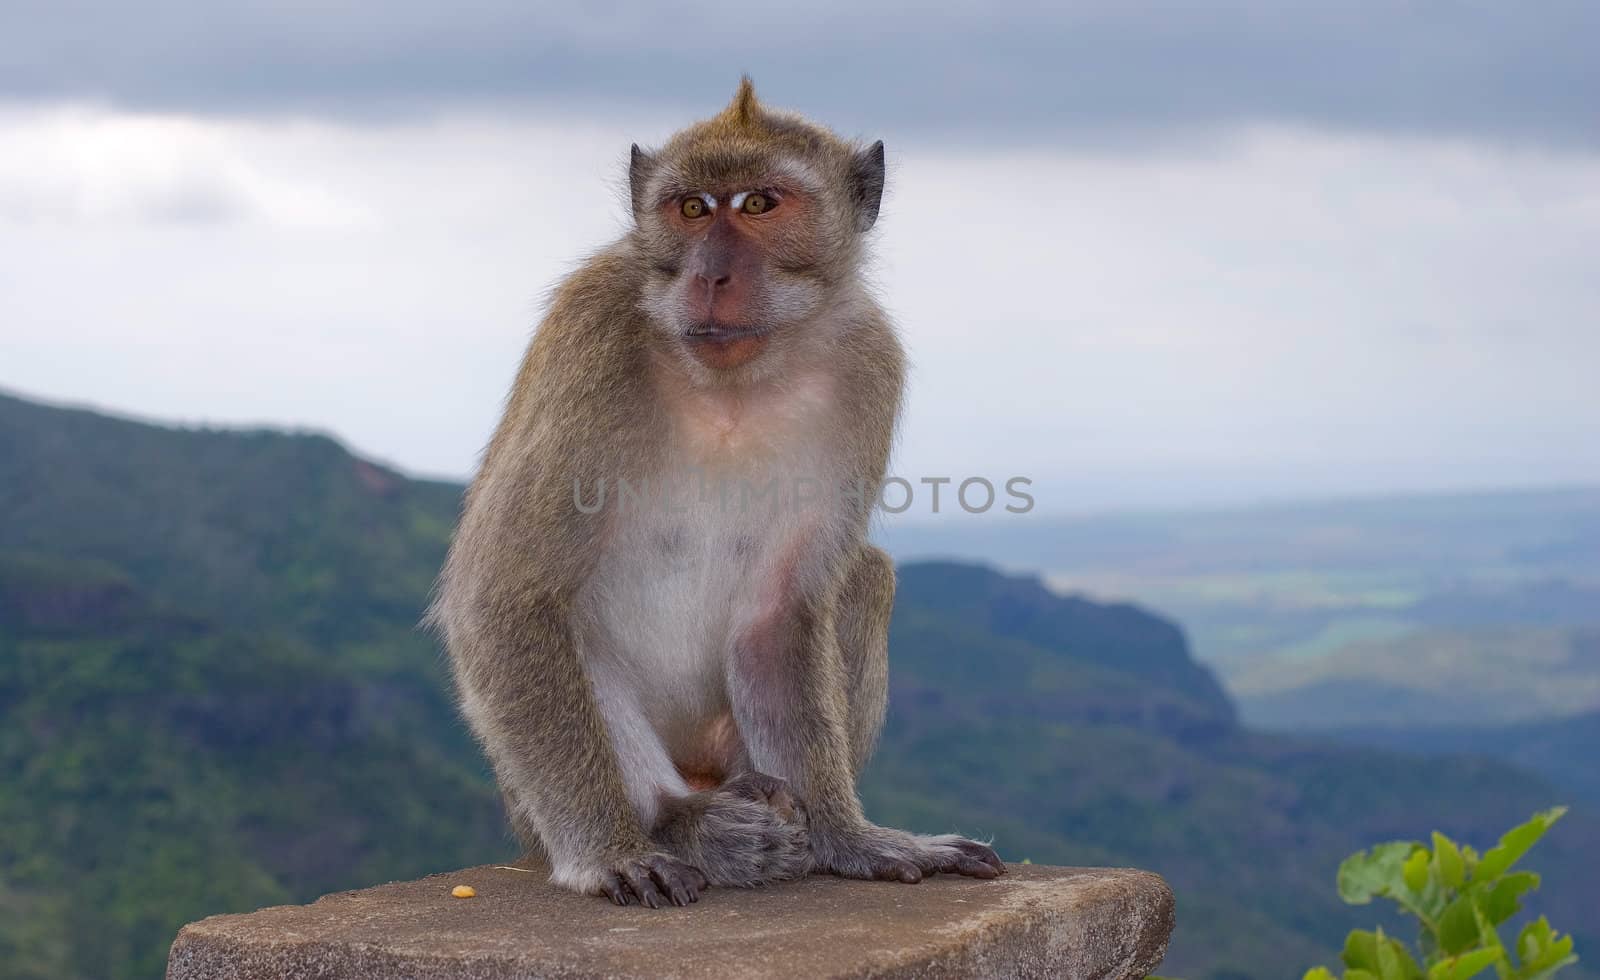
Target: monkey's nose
{"points": [[711, 283]]}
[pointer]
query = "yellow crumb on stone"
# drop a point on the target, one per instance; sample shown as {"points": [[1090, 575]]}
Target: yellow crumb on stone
{"points": [[463, 891]]}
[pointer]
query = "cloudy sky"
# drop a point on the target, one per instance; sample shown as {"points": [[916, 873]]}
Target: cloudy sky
{"points": [[1145, 254]]}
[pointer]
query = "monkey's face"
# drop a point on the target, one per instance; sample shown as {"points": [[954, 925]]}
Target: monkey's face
{"points": [[750, 225], [736, 262]]}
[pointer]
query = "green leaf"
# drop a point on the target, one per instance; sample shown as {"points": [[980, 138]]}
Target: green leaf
{"points": [[1361, 950], [1539, 946], [1514, 843], [1464, 966], [1415, 870], [1554, 956], [1502, 901], [1319, 973], [1367, 873], [1458, 926], [1359, 975], [1550, 970], [1394, 960], [1449, 868], [1529, 943]]}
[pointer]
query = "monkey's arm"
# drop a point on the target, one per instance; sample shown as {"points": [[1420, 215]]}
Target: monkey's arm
{"points": [[526, 696]]}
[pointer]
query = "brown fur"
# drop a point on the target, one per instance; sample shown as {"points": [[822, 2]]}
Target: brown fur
{"points": [[601, 394]]}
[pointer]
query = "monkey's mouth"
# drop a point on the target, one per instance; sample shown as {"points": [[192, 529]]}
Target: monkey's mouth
{"points": [[722, 333]]}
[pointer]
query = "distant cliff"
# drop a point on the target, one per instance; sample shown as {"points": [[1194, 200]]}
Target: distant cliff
{"points": [[1053, 658]]}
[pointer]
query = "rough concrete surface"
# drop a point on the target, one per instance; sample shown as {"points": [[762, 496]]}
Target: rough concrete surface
{"points": [[1036, 921]]}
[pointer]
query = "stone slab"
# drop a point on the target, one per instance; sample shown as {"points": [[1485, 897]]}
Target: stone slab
{"points": [[1035, 921]]}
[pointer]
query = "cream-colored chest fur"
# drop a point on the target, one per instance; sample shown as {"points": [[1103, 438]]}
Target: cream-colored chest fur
{"points": [[746, 484]]}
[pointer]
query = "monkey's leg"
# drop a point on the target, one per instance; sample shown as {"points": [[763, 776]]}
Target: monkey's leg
{"points": [[747, 832], [526, 695], [526, 833], [863, 629], [792, 699]]}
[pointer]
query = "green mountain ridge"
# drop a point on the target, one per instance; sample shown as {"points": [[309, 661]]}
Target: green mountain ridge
{"points": [[215, 698], [161, 767]]}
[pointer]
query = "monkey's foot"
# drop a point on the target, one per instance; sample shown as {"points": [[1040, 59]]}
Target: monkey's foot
{"points": [[752, 831], [653, 880], [886, 854]]}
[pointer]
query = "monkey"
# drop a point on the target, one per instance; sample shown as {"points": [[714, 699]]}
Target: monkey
{"points": [[683, 696]]}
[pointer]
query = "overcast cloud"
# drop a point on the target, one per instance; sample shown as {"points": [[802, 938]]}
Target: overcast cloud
{"points": [[1032, 72], [1144, 256]]}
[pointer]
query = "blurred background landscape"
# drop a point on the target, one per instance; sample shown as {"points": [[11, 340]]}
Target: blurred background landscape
{"points": [[1287, 311], [216, 696]]}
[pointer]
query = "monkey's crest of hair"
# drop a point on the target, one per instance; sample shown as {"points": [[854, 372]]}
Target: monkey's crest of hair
{"points": [[744, 107], [746, 123]]}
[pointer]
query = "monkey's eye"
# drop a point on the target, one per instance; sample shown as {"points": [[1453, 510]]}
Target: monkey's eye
{"points": [[756, 203], [694, 207]]}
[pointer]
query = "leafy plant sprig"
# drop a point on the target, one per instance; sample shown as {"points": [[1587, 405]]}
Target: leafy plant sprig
{"points": [[1460, 899]]}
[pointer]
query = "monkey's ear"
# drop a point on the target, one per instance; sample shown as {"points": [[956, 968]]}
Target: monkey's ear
{"points": [[640, 166], [866, 184]]}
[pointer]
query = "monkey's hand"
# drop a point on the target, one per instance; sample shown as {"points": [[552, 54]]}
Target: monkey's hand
{"points": [[652, 879], [750, 831], [869, 851]]}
